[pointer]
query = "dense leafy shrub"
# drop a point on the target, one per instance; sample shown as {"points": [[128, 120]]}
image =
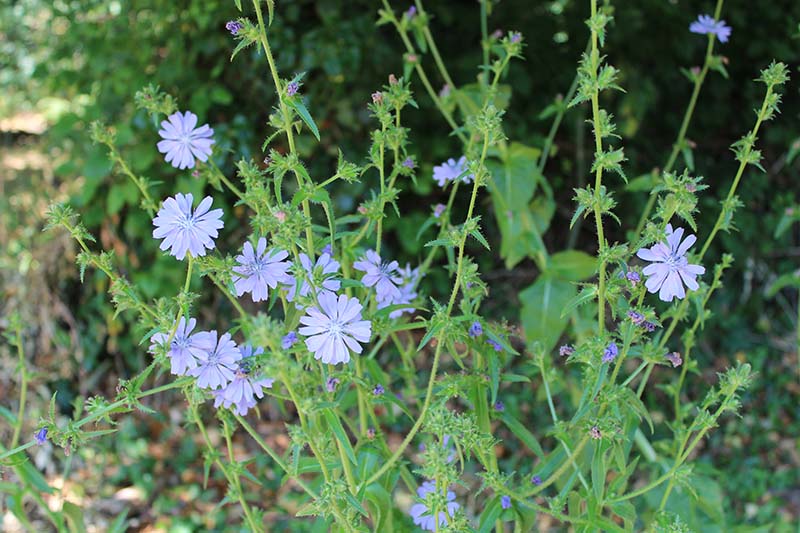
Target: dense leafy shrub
{"points": [[339, 455]]}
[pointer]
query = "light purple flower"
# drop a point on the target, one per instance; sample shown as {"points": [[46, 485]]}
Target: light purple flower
{"points": [[422, 515], [670, 268], [185, 348], [322, 275], [408, 292], [706, 24], [291, 88], [505, 502], [636, 317], [438, 209], [184, 230], [335, 330], [259, 269], [611, 352], [241, 393], [182, 142], [383, 276], [450, 170], [566, 350], [494, 344], [216, 366], [41, 436]]}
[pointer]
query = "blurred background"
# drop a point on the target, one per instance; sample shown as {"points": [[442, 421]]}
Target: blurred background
{"points": [[66, 63]]}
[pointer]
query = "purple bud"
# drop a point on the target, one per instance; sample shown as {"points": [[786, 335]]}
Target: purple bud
{"points": [[595, 433], [409, 163], [610, 352], [515, 36], [566, 350], [505, 502], [377, 97], [291, 88], [536, 480], [675, 359], [496, 345], [499, 406], [371, 433], [233, 26], [378, 390], [475, 330], [331, 384], [438, 209], [633, 277], [411, 12], [636, 318], [445, 91], [649, 327], [327, 249], [41, 436], [288, 340]]}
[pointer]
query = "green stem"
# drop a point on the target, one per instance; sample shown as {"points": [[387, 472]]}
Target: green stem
{"points": [[598, 214], [437, 58], [687, 118], [23, 392], [287, 121]]}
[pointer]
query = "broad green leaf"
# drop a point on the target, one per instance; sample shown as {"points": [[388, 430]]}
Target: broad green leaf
{"points": [[340, 434], [572, 265], [542, 303], [514, 181], [490, 515]]}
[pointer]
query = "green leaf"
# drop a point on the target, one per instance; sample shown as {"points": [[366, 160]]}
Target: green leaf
{"points": [[572, 265], [542, 303], [120, 523], [340, 434], [490, 515], [514, 181], [74, 516], [298, 105], [381, 502], [523, 434]]}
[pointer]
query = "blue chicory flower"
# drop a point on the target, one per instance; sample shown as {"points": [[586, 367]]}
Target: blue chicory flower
{"points": [[182, 142], [450, 170], [258, 269], [409, 278], [216, 367], [670, 269], [241, 393], [185, 348], [422, 515], [383, 276], [335, 329], [705, 24], [322, 273], [184, 230]]}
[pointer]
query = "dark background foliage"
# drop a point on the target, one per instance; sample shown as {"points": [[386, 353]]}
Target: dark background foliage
{"points": [[75, 61]]}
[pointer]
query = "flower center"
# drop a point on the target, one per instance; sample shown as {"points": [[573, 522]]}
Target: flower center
{"points": [[335, 328], [186, 222]]}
